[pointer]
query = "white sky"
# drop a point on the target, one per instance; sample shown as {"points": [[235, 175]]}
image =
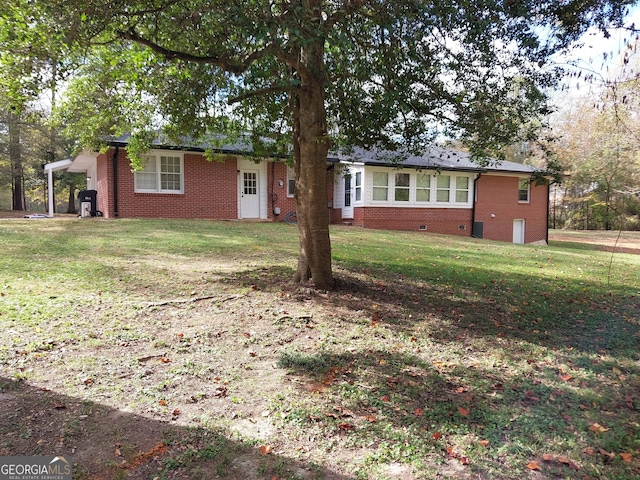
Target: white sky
{"points": [[599, 55]]}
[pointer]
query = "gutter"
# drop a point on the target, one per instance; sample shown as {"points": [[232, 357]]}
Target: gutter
{"points": [[115, 181]]}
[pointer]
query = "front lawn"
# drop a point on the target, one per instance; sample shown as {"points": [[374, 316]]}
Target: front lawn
{"points": [[180, 349]]}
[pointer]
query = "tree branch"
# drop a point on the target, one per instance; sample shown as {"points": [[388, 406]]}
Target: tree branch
{"points": [[263, 91], [226, 64], [339, 15]]}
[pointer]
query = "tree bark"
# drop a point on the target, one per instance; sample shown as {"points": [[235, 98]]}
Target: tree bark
{"points": [[71, 206], [15, 158], [311, 147]]}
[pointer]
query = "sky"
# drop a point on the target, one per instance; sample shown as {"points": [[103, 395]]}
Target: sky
{"points": [[599, 55]]}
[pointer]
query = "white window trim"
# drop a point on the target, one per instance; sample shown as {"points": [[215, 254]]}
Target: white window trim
{"points": [[358, 188], [381, 202], [522, 179], [291, 177], [157, 154]]}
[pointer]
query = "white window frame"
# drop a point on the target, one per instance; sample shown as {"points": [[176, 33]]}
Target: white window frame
{"points": [[430, 187], [458, 189], [521, 180], [291, 182], [157, 155], [449, 189], [379, 187], [357, 176], [402, 188]]}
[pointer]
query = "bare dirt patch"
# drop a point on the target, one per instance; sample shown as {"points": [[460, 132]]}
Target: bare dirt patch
{"points": [[608, 241]]}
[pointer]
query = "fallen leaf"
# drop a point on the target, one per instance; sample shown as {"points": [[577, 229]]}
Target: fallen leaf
{"points": [[176, 412], [484, 443], [566, 377], [383, 361], [418, 412], [629, 400], [547, 457], [88, 381], [464, 460], [589, 451], [220, 392], [165, 360], [385, 398], [437, 436], [370, 418], [162, 402], [533, 466], [346, 426], [607, 454], [463, 411], [118, 453], [597, 428], [265, 449], [59, 406], [617, 371], [626, 457]]}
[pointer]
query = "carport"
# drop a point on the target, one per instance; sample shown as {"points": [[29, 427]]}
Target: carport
{"points": [[84, 162]]}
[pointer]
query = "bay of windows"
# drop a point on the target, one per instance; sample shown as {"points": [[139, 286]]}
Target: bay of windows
{"points": [[420, 187]]}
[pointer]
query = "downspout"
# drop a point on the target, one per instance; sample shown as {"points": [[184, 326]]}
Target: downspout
{"points": [[473, 207], [547, 231], [115, 182]]}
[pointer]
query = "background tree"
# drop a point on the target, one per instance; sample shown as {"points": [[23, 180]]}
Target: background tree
{"points": [[328, 74], [599, 143]]}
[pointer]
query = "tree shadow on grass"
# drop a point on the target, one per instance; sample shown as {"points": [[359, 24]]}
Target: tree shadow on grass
{"points": [[106, 443], [435, 416]]}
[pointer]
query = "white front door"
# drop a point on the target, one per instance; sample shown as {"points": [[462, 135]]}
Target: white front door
{"points": [[347, 209], [249, 194], [518, 231]]}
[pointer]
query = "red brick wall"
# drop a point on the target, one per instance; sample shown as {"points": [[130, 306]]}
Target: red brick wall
{"points": [[498, 195], [277, 194], [210, 190], [104, 184], [437, 220]]}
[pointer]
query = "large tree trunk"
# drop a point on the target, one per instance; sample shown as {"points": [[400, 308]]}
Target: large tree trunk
{"points": [[311, 147], [15, 158]]}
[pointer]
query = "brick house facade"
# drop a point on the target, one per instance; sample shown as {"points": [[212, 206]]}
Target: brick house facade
{"points": [[440, 192]]}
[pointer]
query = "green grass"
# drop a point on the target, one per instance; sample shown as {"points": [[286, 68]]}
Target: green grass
{"points": [[446, 355]]}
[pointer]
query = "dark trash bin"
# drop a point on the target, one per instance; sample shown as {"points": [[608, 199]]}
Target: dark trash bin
{"points": [[88, 203]]}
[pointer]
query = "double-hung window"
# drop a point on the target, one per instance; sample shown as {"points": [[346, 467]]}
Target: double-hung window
{"points": [[291, 182], [423, 187], [462, 189], [358, 186], [403, 181], [380, 186], [523, 190], [161, 173], [443, 188]]}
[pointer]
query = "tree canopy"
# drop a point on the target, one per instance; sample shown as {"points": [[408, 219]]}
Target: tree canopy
{"points": [[310, 75]]}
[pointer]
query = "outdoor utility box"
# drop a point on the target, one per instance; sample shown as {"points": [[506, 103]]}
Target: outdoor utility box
{"points": [[478, 230], [88, 203]]}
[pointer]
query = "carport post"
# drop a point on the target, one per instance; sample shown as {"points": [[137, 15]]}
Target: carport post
{"points": [[50, 192]]}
